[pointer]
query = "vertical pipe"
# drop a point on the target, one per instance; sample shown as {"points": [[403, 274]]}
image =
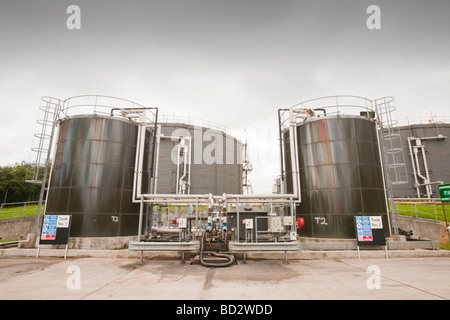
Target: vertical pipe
{"points": [[445, 218], [416, 156], [136, 163], [280, 133], [156, 160], [141, 211], [189, 165], [196, 215], [238, 222], [294, 155], [141, 160], [178, 170], [152, 169], [185, 170], [427, 173], [411, 151]]}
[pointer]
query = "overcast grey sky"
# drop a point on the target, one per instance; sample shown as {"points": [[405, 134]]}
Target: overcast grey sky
{"points": [[234, 62]]}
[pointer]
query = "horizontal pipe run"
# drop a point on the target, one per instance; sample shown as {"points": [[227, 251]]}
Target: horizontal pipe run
{"points": [[194, 197], [264, 246], [262, 196], [190, 201], [205, 198], [193, 246], [228, 196]]}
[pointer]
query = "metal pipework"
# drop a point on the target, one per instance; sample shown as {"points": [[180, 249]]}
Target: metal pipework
{"points": [[204, 199], [139, 197], [414, 155], [139, 159], [180, 183], [165, 230], [294, 153], [221, 255]]}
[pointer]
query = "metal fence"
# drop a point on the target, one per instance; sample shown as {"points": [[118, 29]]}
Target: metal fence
{"points": [[420, 208], [19, 209], [425, 208]]}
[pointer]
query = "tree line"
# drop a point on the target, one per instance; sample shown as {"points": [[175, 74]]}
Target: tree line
{"points": [[13, 187]]}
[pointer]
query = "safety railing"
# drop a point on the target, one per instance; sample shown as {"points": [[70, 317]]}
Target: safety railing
{"points": [[103, 106], [193, 122], [18, 209], [429, 208], [325, 106]]}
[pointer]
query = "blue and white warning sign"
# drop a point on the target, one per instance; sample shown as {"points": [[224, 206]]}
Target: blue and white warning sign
{"points": [[49, 227], [364, 229], [55, 229], [368, 228]]}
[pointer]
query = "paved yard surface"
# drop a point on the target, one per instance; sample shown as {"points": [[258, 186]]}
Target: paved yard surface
{"points": [[343, 279]]}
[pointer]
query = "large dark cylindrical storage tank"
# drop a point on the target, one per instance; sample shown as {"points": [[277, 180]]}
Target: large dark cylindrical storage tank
{"points": [[340, 172], [92, 176], [214, 163]]}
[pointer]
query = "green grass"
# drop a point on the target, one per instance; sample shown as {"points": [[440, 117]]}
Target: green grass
{"points": [[426, 212], [17, 212], [444, 245], [423, 211]]}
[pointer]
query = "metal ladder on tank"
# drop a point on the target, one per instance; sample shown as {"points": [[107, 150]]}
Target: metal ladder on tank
{"points": [[45, 130], [391, 150], [391, 140]]}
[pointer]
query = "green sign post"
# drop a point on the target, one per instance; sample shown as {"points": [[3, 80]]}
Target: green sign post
{"points": [[444, 192]]}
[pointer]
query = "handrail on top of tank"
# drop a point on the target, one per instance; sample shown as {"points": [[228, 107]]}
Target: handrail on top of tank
{"points": [[336, 97], [164, 118], [424, 120], [340, 103], [336, 102], [99, 107]]}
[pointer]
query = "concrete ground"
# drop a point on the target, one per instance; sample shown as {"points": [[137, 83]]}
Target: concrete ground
{"points": [[105, 278]]}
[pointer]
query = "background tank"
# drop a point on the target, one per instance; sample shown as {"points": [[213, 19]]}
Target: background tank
{"points": [[427, 148], [340, 172], [214, 165], [92, 177]]}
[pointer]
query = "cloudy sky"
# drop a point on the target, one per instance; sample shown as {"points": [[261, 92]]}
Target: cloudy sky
{"points": [[234, 62]]}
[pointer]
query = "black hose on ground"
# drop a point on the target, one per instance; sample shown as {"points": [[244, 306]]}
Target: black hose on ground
{"points": [[215, 264]]}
